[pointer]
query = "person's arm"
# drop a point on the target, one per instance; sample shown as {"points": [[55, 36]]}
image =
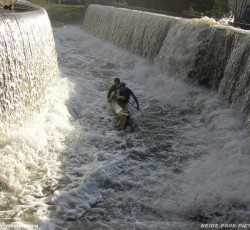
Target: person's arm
{"points": [[111, 90], [135, 99], [112, 97]]}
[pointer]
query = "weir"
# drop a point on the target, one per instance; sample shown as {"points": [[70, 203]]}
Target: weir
{"points": [[28, 62], [197, 50], [32, 112]]}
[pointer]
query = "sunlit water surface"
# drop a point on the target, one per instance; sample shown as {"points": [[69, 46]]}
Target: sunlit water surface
{"points": [[182, 161]]}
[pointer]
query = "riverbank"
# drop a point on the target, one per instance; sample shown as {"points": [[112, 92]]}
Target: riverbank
{"points": [[72, 14]]}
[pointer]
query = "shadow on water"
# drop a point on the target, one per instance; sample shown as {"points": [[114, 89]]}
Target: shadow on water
{"points": [[149, 145], [161, 129], [137, 178], [110, 178]]}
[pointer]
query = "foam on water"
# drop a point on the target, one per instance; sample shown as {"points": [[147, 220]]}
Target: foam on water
{"points": [[182, 48], [34, 119], [29, 159], [182, 161]]}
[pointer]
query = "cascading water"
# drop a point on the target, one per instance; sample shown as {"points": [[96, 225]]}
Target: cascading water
{"points": [[181, 48], [31, 109], [27, 67], [182, 162]]}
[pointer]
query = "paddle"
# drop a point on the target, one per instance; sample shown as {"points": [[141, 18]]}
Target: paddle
{"points": [[133, 105]]}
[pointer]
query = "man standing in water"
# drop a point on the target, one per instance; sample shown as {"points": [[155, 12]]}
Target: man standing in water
{"points": [[113, 88], [123, 95]]}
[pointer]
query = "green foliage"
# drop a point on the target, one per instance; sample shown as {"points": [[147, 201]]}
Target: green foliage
{"points": [[164, 5], [61, 12], [124, 2], [192, 12], [64, 13], [215, 8], [219, 10], [211, 8], [39, 2], [202, 5]]}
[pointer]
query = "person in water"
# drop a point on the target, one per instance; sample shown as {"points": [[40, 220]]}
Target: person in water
{"points": [[113, 88], [123, 95]]}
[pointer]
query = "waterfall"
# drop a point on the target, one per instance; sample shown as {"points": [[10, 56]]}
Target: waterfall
{"points": [[28, 63], [197, 50], [34, 120]]}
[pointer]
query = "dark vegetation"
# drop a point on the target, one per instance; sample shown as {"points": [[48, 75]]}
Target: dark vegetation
{"points": [[67, 13], [211, 8], [72, 11]]}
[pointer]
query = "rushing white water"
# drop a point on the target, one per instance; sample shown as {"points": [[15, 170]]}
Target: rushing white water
{"points": [[199, 49], [182, 161], [33, 117], [25, 70]]}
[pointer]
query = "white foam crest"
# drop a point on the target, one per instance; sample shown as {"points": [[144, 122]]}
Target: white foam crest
{"points": [[219, 176], [116, 174], [219, 179], [29, 156], [216, 183]]}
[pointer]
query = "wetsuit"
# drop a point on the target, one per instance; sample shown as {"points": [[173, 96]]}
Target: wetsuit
{"points": [[112, 89], [126, 93]]}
